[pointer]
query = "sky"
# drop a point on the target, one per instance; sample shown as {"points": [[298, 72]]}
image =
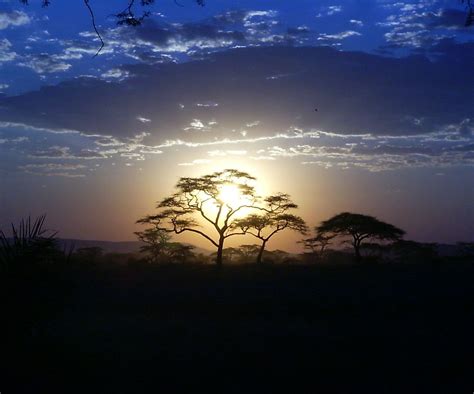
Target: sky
{"points": [[95, 141]]}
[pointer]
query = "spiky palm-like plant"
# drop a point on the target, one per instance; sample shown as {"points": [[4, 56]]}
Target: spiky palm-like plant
{"points": [[29, 243]]}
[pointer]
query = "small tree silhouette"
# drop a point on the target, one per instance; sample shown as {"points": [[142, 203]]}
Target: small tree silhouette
{"points": [[317, 244], [273, 219], [248, 252], [179, 252], [359, 228], [201, 197], [155, 241]]}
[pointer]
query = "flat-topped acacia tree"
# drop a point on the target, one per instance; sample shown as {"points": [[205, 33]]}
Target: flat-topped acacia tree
{"points": [[358, 228], [216, 198], [274, 216]]}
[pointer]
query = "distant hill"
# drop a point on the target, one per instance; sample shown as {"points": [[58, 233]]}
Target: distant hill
{"points": [[113, 247]]}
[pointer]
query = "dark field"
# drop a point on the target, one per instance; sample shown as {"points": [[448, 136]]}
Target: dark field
{"points": [[241, 329]]}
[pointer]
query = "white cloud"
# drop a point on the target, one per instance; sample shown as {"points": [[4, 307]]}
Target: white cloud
{"points": [[44, 63], [223, 153], [329, 11], [13, 140], [6, 55], [339, 36], [357, 22], [207, 104], [195, 163], [116, 73], [143, 119], [14, 18]]}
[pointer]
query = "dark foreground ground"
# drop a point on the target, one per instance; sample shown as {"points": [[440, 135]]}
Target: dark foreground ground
{"points": [[302, 329]]}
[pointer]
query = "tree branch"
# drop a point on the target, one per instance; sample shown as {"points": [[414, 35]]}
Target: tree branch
{"points": [[197, 232], [91, 12]]}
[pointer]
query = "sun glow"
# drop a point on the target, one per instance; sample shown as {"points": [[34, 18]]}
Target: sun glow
{"points": [[231, 196]]}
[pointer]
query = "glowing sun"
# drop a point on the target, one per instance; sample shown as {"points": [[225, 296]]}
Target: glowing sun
{"points": [[230, 195]]}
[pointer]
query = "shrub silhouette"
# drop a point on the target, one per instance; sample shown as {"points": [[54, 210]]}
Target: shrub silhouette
{"points": [[29, 244]]}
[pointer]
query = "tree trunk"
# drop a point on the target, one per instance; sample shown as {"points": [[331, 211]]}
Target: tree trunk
{"points": [[358, 257], [220, 249], [260, 253]]}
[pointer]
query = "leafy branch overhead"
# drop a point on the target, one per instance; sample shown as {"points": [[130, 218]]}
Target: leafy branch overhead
{"points": [[470, 12], [128, 16], [134, 12]]}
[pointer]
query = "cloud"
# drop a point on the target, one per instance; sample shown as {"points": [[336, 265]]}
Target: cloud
{"points": [[357, 22], [420, 26], [375, 97], [116, 73], [159, 41], [14, 140], [64, 152], [339, 36], [13, 18], [54, 169], [329, 11], [361, 99], [223, 153], [376, 153], [447, 18], [143, 119], [195, 163], [6, 54], [160, 37], [44, 63]]}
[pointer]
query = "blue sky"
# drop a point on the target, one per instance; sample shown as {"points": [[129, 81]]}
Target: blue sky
{"points": [[236, 83]]}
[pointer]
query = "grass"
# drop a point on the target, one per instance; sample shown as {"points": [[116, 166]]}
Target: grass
{"points": [[330, 329]]}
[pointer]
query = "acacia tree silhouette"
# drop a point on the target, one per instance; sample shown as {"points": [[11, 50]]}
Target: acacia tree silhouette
{"points": [[201, 197], [273, 219], [359, 227], [156, 242], [318, 243]]}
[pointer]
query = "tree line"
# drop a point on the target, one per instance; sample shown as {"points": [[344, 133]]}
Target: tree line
{"points": [[217, 207], [202, 197]]}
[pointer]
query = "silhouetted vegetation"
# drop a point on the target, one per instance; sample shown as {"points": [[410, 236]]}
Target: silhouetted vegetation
{"points": [[316, 246], [274, 218], [158, 247], [117, 317], [202, 197], [29, 244], [358, 228]]}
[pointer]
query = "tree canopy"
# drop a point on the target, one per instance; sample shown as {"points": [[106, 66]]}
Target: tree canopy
{"points": [[359, 227], [202, 197], [274, 217]]}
